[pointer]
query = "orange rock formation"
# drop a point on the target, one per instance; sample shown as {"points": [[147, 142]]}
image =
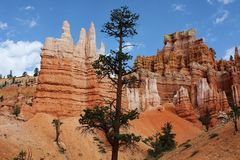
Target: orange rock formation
{"points": [[184, 71], [188, 62]]}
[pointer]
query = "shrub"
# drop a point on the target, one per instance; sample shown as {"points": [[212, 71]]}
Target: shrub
{"points": [[194, 153], [23, 155], [161, 143], [213, 135], [16, 110]]}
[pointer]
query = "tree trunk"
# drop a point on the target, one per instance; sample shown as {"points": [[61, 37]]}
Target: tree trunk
{"points": [[115, 148], [57, 134]]}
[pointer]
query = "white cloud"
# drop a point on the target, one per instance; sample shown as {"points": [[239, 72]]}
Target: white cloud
{"points": [[27, 22], [29, 8], [32, 23], [19, 56], [179, 7], [129, 47], [225, 2], [3, 25], [221, 18], [229, 52]]}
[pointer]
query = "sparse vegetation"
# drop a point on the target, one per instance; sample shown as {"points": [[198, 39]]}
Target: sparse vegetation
{"points": [[10, 75], [36, 72], [16, 110], [161, 143], [24, 74], [23, 155], [194, 153], [111, 119], [57, 123], [213, 135], [13, 79]]}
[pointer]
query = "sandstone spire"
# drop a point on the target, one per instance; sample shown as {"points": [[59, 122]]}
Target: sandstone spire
{"points": [[236, 55], [91, 42], [66, 35], [102, 49], [80, 47]]}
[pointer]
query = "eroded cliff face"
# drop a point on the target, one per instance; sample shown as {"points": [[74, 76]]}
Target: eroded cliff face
{"points": [[184, 72], [67, 82], [188, 62], [146, 97]]}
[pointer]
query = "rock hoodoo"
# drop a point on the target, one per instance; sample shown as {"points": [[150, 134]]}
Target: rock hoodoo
{"points": [[184, 72], [188, 74], [67, 82]]}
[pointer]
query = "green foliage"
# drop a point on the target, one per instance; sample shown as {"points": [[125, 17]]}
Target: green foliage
{"points": [[206, 119], [213, 135], [24, 74], [36, 72], [103, 119], [16, 110], [110, 119], [161, 143], [100, 145], [10, 75]]}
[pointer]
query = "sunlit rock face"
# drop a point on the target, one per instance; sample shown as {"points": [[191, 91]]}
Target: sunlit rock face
{"points": [[184, 72], [184, 107], [145, 97], [67, 82], [188, 62]]}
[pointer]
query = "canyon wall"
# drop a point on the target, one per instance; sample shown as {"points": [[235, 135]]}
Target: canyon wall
{"points": [[184, 72], [188, 74], [67, 82]]}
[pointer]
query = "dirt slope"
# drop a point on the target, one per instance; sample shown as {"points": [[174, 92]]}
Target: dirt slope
{"points": [[38, 135], [219, 144]]}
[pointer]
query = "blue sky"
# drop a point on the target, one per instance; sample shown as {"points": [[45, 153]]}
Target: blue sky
{"points": [[24, 25]]}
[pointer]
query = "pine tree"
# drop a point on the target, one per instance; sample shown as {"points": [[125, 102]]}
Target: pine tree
{"points": [[161, 142], [36, 72], [24, 74], [110, 119]]}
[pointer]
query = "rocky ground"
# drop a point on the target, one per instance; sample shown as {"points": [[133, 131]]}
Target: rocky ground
{"points": [[220, 143]]}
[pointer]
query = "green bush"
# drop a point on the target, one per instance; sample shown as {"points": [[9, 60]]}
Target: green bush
{"points": [[161, 143], [16, 110]]}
